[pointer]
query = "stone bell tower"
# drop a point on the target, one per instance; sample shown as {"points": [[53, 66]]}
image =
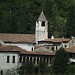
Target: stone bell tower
{"points": [[41, 32]]}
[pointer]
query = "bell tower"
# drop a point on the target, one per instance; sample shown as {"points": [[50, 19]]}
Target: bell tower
{"points": [[41, 32]]}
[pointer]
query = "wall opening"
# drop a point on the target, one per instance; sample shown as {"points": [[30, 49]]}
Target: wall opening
{"points": [[43, 23], [13, 61], [52, 48], [20, 59], [65, 46], [8, 59], [32, 48], [1, 72], [56, 48]]}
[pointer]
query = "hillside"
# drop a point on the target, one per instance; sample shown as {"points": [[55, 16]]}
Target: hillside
{"points": [[19, 16]]}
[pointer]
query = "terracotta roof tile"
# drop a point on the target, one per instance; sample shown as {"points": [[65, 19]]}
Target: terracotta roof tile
{"points": [[56, 40], [71, 49], [29, 38], [23, 51], [10, 48], [38, 53]]}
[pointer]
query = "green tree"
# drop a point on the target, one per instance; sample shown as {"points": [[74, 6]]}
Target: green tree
{"points": [[60, 62], [26, 68], [70, 25], [43, 67], [71, 70], [19, 16]]}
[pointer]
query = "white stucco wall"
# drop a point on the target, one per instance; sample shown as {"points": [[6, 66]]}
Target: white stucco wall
{"points": [[4, 66], [3, 60], [72, 42], [55, 45], [26, 46], [65, 44]]}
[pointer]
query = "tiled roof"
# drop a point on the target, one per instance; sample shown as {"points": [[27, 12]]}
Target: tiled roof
{"points": [[38, 53], [71, 49], [46, 53], [23, 51], [23, 38], [56, 40], [9, 48]]}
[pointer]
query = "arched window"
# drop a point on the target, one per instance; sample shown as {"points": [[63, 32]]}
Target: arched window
{"points": [[43, 23]]}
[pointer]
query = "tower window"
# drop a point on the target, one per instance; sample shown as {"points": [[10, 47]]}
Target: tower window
{"points": [[43, 23]]}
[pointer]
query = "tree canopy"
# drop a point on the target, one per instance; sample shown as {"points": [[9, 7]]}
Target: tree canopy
{"points": [[60, 62], [19, 16], [70, 25]]}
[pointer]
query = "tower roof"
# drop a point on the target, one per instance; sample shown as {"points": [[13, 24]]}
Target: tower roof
{"points": [[42, 17]]}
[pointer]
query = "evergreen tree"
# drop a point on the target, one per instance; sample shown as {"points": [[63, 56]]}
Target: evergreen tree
{"points": [[26, 68], [60, 62], [43, 67], [71, 69], [70, 25], [19, 16]]}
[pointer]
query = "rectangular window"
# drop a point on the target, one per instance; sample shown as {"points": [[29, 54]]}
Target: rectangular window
{"points": [[1, 72], [52, 48], [43, 23], [7, 59], [13, 61], [20, 59]]}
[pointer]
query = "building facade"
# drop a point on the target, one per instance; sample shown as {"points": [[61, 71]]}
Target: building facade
{"points": [[18, 48]]}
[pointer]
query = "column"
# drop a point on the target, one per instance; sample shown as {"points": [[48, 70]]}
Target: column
{"points": [[33, 59], [36, 60], [29, 59], [24, 59], [48, 60], [39, 60]]}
